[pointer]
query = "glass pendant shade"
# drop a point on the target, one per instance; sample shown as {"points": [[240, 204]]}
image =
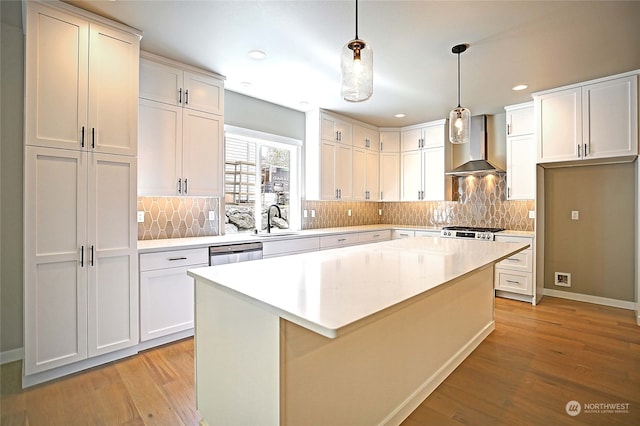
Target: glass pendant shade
{"points": [[459, 125], [357, 71]]}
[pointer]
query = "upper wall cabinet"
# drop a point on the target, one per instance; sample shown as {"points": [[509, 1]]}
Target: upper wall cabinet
{"points": [[335, 129], [172, 85], [590, 121], [366, 138], [521, 149], [181, 130], [81, 82]]}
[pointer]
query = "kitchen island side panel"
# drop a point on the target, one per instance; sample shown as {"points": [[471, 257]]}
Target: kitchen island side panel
{"points": [[379, 373]]}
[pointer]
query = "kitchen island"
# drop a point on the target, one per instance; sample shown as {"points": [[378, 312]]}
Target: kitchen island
{"points": [[357, 335]]}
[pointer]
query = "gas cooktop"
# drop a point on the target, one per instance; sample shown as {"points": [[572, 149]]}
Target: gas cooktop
{"points": [[478, 233]]}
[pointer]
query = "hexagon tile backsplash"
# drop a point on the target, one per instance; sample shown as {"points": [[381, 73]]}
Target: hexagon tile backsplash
{"points": [[176, 217], [481, 202]]}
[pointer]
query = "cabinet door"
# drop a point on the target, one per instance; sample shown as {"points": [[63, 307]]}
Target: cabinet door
{"points": [[372, 185], [203, 93], [113, 91], [521, 167], [160, 139], [558, 117], [411, 169], [56, 78], [345, 132], [389, 176], [55, 281], [160, 82], [610, 118], [343, 171], [411, 139], [328, 129], [433, 174], [166, 302], [520, 121], [434, 135], [359, 174], [202, 153], [390, 141], [328, 188], [112, 253]]}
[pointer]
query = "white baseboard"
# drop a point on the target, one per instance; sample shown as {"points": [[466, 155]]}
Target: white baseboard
{"points": [[11, 355], [615, 303]]}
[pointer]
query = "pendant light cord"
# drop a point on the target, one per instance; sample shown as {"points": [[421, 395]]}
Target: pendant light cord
{"points": [[458, 79], [356, 19]]}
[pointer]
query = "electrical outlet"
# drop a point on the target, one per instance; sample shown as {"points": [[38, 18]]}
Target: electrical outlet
{"points": [[379, 212], [575, 215], [212, 215], [349, 212], [532, 214], [304, 213], [140, 217], [313, 213]]}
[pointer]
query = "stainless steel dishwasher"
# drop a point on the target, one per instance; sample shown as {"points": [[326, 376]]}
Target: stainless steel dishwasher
{"points": [[233, 253]]}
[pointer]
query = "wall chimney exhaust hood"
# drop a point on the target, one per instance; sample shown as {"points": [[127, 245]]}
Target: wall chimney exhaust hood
{"points": [[477, 163]]}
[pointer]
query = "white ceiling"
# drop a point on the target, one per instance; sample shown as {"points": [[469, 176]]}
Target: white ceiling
{"points": [[544, 44]]}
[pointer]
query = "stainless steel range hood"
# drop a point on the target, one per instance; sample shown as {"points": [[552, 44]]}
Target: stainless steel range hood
{"points": [[477, 162]]}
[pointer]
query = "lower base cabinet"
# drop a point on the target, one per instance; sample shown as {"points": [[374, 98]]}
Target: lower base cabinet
{"points": [[515, 274], [166, 292]]}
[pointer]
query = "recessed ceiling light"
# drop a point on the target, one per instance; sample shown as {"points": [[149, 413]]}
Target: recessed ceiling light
{"points": [[401, 115], [519, 87], [245, 84], [257, 54], [304, 104]]}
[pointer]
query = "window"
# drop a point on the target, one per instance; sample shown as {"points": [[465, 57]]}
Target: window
{"points": [[261, 177]]}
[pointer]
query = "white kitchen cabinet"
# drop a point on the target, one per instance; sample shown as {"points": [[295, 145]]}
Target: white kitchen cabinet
{"points": [[423, 163], [424, 233], [366, 138], [589, 121], [166, 292], [290, 246], [365, 174], [515, 275], [389, 140], [389, 176], [181, 147], [338, 240], [402, 233], [81, 82], [81, 284], [335, 129], [335, 174], [521, 152], [374, 236], [174, 85]]}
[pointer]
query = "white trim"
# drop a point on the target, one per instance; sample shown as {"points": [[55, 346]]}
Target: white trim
{"points": [[258, 136], [11, 355], [591, 299]]}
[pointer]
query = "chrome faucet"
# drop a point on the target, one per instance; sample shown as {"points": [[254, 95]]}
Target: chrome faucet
{"points": [[269, 216]]}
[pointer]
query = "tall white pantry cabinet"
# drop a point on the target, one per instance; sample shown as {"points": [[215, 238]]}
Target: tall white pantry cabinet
{"points": [[80, 263]]}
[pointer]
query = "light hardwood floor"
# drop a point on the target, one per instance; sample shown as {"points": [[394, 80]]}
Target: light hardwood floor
{"points": [[535, 362]]}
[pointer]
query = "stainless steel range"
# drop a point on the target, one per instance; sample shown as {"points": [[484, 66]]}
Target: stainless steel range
{"points": [[486, 234]]}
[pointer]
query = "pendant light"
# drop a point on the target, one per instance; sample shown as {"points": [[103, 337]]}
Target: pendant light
{"points": [[459, 117], [357, 69]]}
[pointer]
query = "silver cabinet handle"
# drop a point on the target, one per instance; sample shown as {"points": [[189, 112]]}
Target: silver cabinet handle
{"points": [[341, 240], [381, 195], [513, 259], [173, 259], [186, 97], [82, 137], [336, 193], [82, 256], [340, 193], [186, 185], [93, 137], [91, 261], [578, 150], [179, 185], [585, 151], [513, 282], [180, 96], [508, 192], [380, 146]]}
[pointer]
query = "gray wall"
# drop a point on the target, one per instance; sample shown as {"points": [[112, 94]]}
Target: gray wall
{"points": [[11, 112], [254, 114], [598, 250]]}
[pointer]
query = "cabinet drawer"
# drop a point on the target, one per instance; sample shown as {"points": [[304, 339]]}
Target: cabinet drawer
{"points": [[514, 239], [298, 245], [401, 233], [518, 262], [516, 283], [372, 237], [173, 259], [332, 241]]}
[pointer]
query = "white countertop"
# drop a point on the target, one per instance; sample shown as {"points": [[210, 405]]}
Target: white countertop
{"points": [[329, 290], [149, 246]]}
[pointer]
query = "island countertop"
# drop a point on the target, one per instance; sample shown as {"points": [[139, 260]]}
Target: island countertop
{"points": [[333, 291]]}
